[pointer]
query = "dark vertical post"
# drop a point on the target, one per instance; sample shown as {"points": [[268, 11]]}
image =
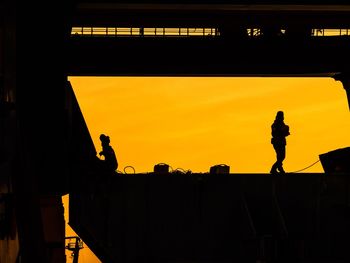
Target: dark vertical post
{"points": [[41, 147], [344, 78], [76, 250]]}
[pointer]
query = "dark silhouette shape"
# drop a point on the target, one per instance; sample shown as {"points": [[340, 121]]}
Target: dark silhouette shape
{"points": [[233, 33], [298, 32], [110, 162], [279, 131], [271, 31]]}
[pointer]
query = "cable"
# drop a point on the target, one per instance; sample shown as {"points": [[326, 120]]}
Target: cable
{"points": [[129, 166], [305, 167], [181, 171]]}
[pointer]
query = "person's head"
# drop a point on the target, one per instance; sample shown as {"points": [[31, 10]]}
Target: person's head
{"points": [[280, 116], [104, 139]]}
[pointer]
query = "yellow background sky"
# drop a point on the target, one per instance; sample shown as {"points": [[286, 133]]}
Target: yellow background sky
{"points": [[195, 123]]}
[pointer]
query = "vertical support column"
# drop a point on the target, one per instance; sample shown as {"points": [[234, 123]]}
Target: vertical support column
{"points": [[52, 214], [344, 78], [7, 94], [41, 150], [9, 240]]}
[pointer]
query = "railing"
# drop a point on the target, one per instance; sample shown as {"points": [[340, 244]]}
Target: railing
{"points": [[143, 32], [330, 32], [190, 32], [257, 32]]}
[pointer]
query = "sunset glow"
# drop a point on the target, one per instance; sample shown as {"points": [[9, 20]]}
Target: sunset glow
{"points": [[195, 123]]}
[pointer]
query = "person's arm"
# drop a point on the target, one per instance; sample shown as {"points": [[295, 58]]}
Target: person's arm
{"points": [[287, 130]]}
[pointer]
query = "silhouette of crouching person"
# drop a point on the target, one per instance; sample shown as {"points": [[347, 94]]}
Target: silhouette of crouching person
{"points": [[110, 163]]}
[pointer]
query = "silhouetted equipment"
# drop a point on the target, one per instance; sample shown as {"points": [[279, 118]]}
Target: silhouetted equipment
{"points": [[220, 169], [161, 168], [74, 244], [337, 161]]}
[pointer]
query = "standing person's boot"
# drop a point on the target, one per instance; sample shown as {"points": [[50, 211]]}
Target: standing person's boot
{"points": [[280, 168], [274, 169]]}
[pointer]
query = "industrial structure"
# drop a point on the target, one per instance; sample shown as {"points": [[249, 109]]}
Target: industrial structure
{"points": [[46, 150]]}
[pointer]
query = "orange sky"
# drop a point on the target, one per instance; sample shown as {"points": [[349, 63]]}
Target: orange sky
{"points": [[195, 123]]}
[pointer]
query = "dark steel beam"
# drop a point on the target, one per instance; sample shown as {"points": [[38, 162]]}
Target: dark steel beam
{"points": [[210, 13], [206, 57]]}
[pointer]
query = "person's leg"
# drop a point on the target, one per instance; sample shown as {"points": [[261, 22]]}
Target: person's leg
{"points": [[281, 155], [275, 165], [274, 169]]}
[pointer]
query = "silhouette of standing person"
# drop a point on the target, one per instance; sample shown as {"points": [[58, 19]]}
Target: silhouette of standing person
{"points": [[110, 162], [279, 131]]}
